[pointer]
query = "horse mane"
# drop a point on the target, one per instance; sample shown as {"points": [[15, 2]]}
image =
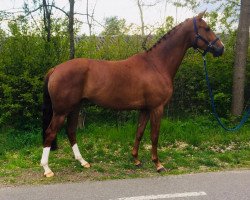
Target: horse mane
{"points": [[167, 35]]}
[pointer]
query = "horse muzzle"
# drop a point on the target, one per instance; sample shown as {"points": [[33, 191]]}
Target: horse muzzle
{"points": [[217, 51]]}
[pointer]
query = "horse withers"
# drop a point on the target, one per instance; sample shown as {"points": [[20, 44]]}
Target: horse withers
{"points": [[143, 82]]}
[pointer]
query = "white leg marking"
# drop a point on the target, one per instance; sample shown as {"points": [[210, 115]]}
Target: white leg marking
{"points": [[78, 156], [44, 161]]}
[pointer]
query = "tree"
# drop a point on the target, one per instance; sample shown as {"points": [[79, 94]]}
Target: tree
{"points": [[239, 74], [90, 17], [114, 26], [71, 29], [140, 4], [47, 12], [47, 18], [167, 26]]}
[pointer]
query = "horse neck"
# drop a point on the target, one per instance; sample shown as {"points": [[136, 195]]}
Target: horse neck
{"points": [[168, 54]]}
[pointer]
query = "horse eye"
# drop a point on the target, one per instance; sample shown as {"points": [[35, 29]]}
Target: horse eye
{"points": [[207, 29]]}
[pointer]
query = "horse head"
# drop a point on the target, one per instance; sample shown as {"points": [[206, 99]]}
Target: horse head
{"points": [[204, 38]]}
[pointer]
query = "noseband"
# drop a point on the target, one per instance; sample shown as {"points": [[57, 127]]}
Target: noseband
{"points": [[210, 45]]}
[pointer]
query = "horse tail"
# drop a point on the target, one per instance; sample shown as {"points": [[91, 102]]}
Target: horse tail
{"points": [[47, 109]]}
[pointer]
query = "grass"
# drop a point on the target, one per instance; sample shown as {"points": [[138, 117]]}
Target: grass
{"points": [[185, 146]]}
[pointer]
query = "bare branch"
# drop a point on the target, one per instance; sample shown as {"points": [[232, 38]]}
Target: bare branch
{"points": [[35, 22], [67, 14], [152, 4], [90, 21], [145, 40], [32, 11], [93, 11], [91, 18], [36, 9]]}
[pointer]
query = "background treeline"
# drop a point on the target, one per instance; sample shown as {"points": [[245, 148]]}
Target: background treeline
{"points": [[26, 56]]}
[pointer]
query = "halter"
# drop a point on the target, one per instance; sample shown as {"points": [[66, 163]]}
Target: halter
{"points": [[210, 45]]}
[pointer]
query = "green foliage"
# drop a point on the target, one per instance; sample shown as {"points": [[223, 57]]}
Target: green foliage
{"points": [[167, 26], [114, 26], [191, 4], [212, 19], [24, 59], [109, 47], [229, 13]]}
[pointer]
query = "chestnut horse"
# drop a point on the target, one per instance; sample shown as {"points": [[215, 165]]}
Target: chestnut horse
{"points": [[143, 81]]}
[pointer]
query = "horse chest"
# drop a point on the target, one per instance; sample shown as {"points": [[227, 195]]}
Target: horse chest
{"points": [[158, 92]]}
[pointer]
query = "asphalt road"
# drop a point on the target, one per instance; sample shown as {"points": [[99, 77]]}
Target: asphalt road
{"points": [[231, 185]]}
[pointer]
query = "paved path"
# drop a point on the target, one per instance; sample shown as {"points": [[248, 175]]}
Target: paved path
{"points": [[232, 185]]}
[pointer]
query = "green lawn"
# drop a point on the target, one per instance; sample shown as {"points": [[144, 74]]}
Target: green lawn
{"points": [[190, 145]]}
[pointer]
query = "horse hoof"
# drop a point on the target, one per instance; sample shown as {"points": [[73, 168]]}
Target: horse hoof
{"points": [[50, 174], [161, 170], [138, 164], [87, 165]]}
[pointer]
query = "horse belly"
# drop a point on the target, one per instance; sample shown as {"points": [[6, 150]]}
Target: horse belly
{"points": [[116, 94], [118, 99]]}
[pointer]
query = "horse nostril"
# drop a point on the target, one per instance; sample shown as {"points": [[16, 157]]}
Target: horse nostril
{"points": [[218, 51]]}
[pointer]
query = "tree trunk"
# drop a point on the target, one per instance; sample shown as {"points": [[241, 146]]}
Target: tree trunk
{"points": [[240, 59], [47, 20], [139, 4], [81, 118], [71, 30], [88, 21]]}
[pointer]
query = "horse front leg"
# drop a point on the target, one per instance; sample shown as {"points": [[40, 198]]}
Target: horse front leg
{"points": [[72, 121], [142, 122], [155, 120]]}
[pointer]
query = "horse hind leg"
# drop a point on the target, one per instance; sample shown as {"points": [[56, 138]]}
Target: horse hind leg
{"points": [[142, 122], [56, 122], [72, 120]]}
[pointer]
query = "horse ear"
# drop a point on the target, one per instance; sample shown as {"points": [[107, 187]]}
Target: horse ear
{"points": [[200, 15]]}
